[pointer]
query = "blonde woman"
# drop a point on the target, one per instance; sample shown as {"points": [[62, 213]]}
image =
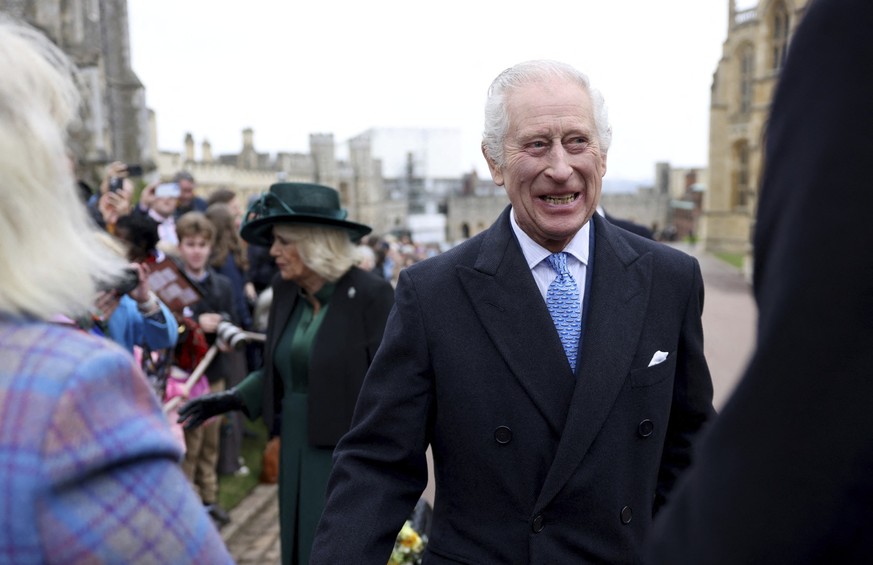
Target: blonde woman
{"points": [[90, 471], [326, 323]]}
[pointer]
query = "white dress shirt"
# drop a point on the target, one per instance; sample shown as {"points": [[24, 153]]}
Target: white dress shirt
{"points": [[535, 255]]}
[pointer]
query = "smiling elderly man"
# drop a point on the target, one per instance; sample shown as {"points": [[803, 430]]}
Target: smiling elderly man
{"points": [[554, 363]]}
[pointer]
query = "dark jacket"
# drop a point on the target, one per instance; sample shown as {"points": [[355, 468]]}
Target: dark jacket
{"points": [[217, 292], [632, 227], [342, 351], [533, 464], [785, 475]]}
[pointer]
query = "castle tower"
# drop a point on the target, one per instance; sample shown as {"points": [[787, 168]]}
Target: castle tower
{"points": [[742, 89], [206, 152], [114, 121], [323, 151], [189, 147], [248, 157]]}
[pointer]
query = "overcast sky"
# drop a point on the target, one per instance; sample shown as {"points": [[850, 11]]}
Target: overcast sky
{"points": [[291, 68]]}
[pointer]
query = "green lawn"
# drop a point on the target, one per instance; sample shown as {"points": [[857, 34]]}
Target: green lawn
{"points": [[231, 488], [735, 259]]}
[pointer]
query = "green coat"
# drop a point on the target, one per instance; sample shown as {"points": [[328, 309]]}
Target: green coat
{"points": [[306, 357]]}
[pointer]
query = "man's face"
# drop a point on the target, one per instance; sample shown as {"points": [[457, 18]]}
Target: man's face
{"points": [[165, 205], [194, 251], [553, 166], [186, 191]]}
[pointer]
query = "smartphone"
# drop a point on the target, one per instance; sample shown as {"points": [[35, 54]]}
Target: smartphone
{"points": [[134, 170]]}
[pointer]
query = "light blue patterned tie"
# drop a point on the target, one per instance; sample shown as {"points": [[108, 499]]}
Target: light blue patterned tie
{"points": [[562, 300]]}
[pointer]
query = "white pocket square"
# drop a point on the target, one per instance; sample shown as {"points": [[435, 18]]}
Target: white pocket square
{"points": [[658, 357]]}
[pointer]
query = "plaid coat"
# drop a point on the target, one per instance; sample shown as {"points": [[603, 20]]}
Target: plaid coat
{"points": [[88, 468]]}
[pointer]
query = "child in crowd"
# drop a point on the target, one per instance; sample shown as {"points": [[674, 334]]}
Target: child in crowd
{"points": [[196, 235]]}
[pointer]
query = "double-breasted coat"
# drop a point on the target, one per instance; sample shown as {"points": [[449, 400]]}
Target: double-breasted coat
{"points": [[533, 464]]}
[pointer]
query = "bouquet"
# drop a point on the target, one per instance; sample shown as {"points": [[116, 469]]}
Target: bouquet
{"points": [[409, 546]]}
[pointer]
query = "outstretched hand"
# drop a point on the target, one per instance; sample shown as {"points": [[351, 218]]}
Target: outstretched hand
{"points": [[194, 412]]}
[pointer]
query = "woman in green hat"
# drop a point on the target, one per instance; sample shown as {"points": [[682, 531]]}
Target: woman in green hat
{"points": [[326, 323]]}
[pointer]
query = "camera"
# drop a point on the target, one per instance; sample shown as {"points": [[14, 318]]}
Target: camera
{"points": [[115, 184], [231, 335]]}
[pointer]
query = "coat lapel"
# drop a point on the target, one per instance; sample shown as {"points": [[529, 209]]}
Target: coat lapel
{"points": [[508, 304], [619, 298], [335, 326], [284, 298]]}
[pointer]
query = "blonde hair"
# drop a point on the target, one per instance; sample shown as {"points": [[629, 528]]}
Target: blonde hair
{"points": [[329, 252], [50, 259]]}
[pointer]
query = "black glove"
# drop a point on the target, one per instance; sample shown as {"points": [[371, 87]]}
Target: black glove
{"points": [[197, 411]]}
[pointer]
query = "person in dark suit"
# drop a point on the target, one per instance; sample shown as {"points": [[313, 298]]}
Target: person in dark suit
{"points": [[326, 322], [548, 448], [187, 200], [784, 475], [631, 226]]}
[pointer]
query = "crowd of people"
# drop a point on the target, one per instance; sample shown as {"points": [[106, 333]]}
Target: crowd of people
{"points": [[165, 222], [553, 364]]}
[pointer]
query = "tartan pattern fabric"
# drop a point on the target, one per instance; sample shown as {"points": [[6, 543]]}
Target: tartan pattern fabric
{"points": [[89, 470], [565, 306]]}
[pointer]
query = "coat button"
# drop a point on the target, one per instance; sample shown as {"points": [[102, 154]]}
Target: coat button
{"points": [[645, 428], [503, 435], [626, 515], [537, 525]]}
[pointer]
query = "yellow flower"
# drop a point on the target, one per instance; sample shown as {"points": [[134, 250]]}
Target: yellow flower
{"points": [[409, 538], [408, 546]]}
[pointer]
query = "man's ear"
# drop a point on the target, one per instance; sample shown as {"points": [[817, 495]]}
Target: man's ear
{"points": [[496, 172], [603, 165]]}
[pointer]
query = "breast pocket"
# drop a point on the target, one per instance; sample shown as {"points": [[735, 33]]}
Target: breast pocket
{"points": [[648, 376]]}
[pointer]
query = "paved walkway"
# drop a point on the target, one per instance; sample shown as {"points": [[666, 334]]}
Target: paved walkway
{"points": [[252, 537], [729, 318]]}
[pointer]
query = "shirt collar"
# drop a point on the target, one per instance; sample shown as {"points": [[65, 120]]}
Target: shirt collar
{"points": [[534, 253]]}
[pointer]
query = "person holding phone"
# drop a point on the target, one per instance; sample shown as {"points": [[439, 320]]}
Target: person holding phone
{"points": [[114, 198], [159, 201], [130, 313]]}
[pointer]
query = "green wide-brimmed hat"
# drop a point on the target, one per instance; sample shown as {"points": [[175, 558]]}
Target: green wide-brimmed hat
{"points": [[297, 203]]}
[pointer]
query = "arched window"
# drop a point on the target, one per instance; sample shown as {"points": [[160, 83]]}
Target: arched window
{"points": [[747, 75], [465, 230], [779, 37]]}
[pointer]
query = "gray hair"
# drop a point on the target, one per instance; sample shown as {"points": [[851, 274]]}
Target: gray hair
{"points": [[50, 257], [183, 175], [328, 251], [497, 119]]}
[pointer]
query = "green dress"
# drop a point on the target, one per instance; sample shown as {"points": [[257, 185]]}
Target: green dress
{"points": [[303, 469]]}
